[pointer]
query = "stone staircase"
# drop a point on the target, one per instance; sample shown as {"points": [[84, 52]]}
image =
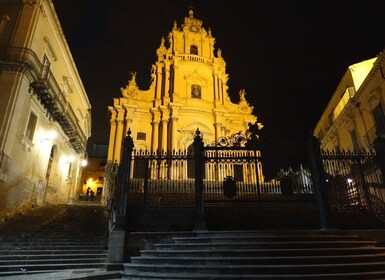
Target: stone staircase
{"points": [[273, 254], [53, 239]]}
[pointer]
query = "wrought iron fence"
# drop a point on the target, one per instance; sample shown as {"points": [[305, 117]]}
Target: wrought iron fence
{"points": [[355, 187], [160, 193], [350, 186], [181, 190]]}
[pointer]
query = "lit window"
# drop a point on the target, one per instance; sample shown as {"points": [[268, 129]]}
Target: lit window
{"points": [[141, 136], [193, 49], [30, 130], [195, 91]]}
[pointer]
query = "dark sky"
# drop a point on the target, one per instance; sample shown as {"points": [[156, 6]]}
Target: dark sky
{"points": [[289, 56]]}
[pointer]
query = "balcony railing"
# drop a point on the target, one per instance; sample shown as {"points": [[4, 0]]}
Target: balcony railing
{"points": [[47, 90], [193, 57]]}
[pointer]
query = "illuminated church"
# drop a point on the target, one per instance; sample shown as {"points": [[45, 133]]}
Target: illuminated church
{"points": [[188, 92]]}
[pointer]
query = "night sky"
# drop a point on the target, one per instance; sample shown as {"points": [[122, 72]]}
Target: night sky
{"points": [[289, 56]]}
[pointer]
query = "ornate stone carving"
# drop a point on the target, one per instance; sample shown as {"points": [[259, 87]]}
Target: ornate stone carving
{"points": [[31, 3]]}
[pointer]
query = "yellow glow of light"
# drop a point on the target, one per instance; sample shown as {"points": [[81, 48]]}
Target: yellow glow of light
{"points": [[83, 163], [51, 135], [71, 158]]}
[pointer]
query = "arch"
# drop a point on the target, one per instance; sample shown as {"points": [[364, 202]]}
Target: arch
{"points": [[52, 162], [188, 131]]}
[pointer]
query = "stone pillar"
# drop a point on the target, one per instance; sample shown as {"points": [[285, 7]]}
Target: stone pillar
{"points": [[155, 136], [111, 143], [223, 130], [318, 176], [159, 75], [216, 95], [117, 234], [221, 91], [155, 129], [119, 134], [164, 134], [217, 131], [166, 98], [174, 126], [164, 127]]}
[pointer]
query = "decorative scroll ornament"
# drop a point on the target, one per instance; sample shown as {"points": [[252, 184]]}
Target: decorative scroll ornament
{"points": [[249, 139], [234, 140], [132, 89]]}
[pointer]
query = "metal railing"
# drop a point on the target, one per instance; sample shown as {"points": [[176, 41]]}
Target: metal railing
{"points": [[26, 61]]}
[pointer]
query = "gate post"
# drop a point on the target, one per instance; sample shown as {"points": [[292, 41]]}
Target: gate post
{"points": [[318, 175], [379, 146], [199, 220], [119, 214]]}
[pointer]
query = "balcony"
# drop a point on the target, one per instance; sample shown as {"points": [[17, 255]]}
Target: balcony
{"points": [[192, 57], [47, 90]]}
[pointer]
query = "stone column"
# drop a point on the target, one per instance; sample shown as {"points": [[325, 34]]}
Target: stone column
{"points": [[130, 112], [164, 135], [221, 91], [164, 128], [155, 135], [217, 131], [166, 98], [119, 134], [216, 96], [174, 126], [159, 75], [111, 143]]}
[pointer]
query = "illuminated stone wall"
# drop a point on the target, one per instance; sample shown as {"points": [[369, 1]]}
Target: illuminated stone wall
{"points": [[188, 92], [44, 110]]}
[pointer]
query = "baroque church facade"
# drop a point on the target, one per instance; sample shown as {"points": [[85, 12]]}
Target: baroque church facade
{"points": [[188, 92]]}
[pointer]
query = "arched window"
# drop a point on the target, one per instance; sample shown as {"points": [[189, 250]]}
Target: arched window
{"points": [[193, 49]]}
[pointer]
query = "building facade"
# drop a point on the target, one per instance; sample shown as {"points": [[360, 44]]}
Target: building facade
{"points": [[354, 117], [45, 119], [188, 92]]}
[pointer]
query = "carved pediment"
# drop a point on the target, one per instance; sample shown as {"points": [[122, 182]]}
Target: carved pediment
{"points": [[195, 75]]}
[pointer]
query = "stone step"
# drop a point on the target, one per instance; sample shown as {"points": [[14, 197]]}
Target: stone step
{"points": [[56, 247], [270, 245], [86, 273], [264, 238], [49, 266], [265, 252], [296, 232], [259, 260], [51, 243], [48, 251], [52, 261], [191, 275], [53, 256], [258, 269]]}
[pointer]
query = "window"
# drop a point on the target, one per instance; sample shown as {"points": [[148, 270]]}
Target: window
{"points": [[141, 136], [195, 91], [379, 119], [193, 49], [354, 138], [30, 131]]}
